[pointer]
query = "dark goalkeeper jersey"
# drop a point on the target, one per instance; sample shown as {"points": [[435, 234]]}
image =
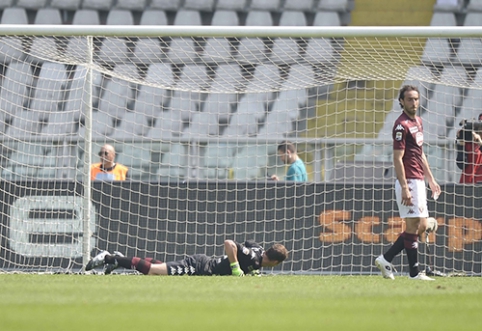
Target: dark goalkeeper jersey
{"points": [[249, 258]]}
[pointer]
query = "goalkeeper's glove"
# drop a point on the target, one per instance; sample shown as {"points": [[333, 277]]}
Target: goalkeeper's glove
{"points": [[236, 270]]}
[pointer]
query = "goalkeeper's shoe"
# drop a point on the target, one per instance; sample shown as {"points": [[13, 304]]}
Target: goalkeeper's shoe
{"points": [[97, 261], [385, 267], [421, 276], [109, 267]]}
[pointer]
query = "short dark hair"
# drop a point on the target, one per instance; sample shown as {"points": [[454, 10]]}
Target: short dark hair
{"points": [[405, 88], [286, 146], [277, 252]]}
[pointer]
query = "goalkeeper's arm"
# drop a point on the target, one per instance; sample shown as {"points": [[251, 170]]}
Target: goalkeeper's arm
{"points": [[232, 253]]}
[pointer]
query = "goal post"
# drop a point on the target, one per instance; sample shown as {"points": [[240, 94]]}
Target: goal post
{"points": [[196, 113]]}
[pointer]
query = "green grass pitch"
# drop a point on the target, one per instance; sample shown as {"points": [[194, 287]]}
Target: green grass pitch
{"points": [[118, 302]]}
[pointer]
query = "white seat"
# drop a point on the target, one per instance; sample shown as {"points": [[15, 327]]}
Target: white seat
{"points": [[150, 50], [32, 4], [448, 6], [203, 124], [25, 124], [219, 49], [302, 5], [278, 125], [443, 19], [173, 163], [320, 50], [167, 125], [132, 126], [241, 125], [166, 4], [286, 50], [135, 156], [219, 104], [335, 5], [474, 5], [77, 98], [66, 4], [228, 78], [77, 47], [237, 5], [137, 5], [217, 159], [327, 18], [437, 51], [266, 77], [117, 95], [204, 5], [12, 48], [61, 124], [102, 125], [469, 49], [253, 50], [269, 5], [114, 50], [187, 97], [49, 91], [45, 48], [184, 50], [16, 86], [27, 161], [151, 98], [250, 163], [6, 3], [98, 4]]}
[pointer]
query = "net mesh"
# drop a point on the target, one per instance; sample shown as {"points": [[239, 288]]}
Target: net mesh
{"points": [[197, 121]]}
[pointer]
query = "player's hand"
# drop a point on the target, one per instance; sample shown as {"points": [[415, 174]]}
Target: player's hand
{"points": [[236, 270]]}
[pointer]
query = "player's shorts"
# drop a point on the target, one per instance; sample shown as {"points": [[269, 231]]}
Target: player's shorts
{"points": [[419, 199], [194, 265]]}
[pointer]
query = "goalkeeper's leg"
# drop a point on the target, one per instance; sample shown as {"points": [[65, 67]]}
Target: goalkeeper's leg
{"points": [[141, 265]]}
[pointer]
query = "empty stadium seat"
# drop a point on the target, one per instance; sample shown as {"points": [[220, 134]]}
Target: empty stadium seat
{"points": [[203, 124], [474, 5], [335, 5], [137, 5], [118, 93], [327, 18], [278, 125], [32, 4], [132, 126], [77, 47], [5, 3], [203, 5], [167, 125], [45, 48], [448, 6], [114, 50], [15, 90], [253, 50], [469, 50], [269, 5], [166, 4], [66, 4], [12, 46], [241, 125], [98, 4], [363, 172], [237, 5], [286, 50], [174, 163], [219, 49], [184, 50], [137, 157], [302, 5], [443, 19], [217, 159], [49, 90], [250, 163], [150, 50]]}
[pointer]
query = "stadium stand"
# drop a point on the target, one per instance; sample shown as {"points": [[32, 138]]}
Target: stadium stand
{"points": [[12, 50], [172, 5], [66, 4]]}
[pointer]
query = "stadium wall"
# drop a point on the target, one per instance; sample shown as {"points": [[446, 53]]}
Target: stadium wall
{"points": [[327, 227]]}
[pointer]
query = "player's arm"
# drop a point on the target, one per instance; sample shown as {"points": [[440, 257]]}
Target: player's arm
{"points": [[400, 173], [429, 177], [231, 250]]}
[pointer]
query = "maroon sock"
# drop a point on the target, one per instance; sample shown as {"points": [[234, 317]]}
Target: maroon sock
{"points": [[411, 248], [396, 248]]}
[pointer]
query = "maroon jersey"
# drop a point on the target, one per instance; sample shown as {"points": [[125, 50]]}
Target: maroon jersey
{"points": [[408, 135]]}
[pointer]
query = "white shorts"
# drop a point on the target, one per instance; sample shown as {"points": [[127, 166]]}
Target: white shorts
{"points": [[419, 199]]}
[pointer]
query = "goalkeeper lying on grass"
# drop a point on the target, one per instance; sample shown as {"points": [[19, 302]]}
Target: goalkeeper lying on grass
{"points": [[238, 261]]}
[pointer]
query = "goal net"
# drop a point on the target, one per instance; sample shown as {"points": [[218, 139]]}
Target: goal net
{"points": [[196, 114]]}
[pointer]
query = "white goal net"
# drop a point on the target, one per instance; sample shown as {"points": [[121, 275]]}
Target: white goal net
{"points": [[196, 114]]}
